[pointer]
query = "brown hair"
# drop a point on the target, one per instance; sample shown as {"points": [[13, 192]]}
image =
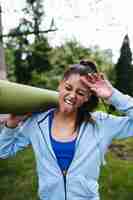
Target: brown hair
{"points": [[83, 68]]}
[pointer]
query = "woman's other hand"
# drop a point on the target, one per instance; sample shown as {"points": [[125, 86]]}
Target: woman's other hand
{"points": [[14, 120]]}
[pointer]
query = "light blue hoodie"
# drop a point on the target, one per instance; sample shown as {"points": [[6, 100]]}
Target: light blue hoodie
{"points": [[91, 145]]}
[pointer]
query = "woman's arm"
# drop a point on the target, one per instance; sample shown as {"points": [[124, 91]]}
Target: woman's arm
{"points": [[113, 126], [120, 126], [12, 138]]}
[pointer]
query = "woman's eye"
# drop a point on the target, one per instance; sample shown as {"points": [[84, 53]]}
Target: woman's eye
{"points": [[81, 94], [68, 88]]}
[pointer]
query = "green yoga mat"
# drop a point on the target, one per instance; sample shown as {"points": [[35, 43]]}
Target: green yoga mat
{"points": [[19, 99]]}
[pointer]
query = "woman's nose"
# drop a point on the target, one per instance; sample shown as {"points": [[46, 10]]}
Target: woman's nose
{"points": [[73, 94]]}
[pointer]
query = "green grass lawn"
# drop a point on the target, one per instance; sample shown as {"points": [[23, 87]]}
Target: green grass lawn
{"points": [[116, 181], [18, 179]]}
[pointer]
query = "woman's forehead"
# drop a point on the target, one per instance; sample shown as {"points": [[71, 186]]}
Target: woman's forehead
{"points": [[75, 80], [73, 77]]}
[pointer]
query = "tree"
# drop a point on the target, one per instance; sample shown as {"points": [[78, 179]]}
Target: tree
{"points": [[35, 12], [124, 68], [30, 56], [27, 58], [72, 52]]}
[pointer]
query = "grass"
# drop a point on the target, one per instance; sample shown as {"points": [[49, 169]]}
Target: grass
{"points": [[116, 181], [18, 179]]}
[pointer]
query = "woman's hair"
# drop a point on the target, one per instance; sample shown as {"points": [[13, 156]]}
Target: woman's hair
{"points": [[83, 68]]}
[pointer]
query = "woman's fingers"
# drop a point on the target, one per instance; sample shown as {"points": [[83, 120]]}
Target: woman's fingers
{"points": [[98, 84], [91, 86], [95, 77], [4, 117], [102, 76], [95, 82], [91, 79], [14, 120], [86, 81]]}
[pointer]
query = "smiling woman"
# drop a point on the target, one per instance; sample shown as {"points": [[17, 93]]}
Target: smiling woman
{"points": [[70, 140], [75, 97]]}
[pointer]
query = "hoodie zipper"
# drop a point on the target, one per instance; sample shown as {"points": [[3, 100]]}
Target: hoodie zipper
{"points": [[64, 173]]}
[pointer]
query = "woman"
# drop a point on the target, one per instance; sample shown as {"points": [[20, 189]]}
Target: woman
{"points": [[70, 141]]}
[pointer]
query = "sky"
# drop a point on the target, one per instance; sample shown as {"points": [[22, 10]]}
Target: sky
{"points": [[91, 22]]}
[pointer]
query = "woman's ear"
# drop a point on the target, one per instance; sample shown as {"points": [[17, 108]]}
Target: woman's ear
{"points": [[88, 97]]}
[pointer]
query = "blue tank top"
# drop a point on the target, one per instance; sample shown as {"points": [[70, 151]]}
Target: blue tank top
{"points": [[64, 151]]}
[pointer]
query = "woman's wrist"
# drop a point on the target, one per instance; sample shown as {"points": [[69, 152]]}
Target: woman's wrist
{"points": [[109, 94]]}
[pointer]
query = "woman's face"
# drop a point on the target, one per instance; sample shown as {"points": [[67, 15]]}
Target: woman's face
{"points": [[72, 94]]}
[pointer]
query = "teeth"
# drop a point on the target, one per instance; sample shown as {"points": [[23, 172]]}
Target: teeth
{"points": [[68, 101]]}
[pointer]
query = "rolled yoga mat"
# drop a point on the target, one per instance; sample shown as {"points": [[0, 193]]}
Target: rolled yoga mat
{"points": [[19, 99]]}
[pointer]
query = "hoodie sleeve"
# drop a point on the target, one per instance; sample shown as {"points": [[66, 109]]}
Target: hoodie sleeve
{"points": [[119, 126], [13, 140]]}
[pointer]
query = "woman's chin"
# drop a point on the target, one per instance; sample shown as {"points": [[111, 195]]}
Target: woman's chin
{"points": [[67, 110]]}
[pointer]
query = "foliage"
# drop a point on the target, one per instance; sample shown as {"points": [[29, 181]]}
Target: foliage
{"points": [[41, 65], [124, 68], [33, 61], [38, 55], [9, 57], [26, 59], [28, 56], [34, 11], [72, 52]]}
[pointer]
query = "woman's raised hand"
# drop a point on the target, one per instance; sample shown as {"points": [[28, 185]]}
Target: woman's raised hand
{"points": [[98, 84]]}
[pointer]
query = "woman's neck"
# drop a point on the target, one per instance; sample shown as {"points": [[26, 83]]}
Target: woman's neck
{"points": [[67, 118], [63, 125]]}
